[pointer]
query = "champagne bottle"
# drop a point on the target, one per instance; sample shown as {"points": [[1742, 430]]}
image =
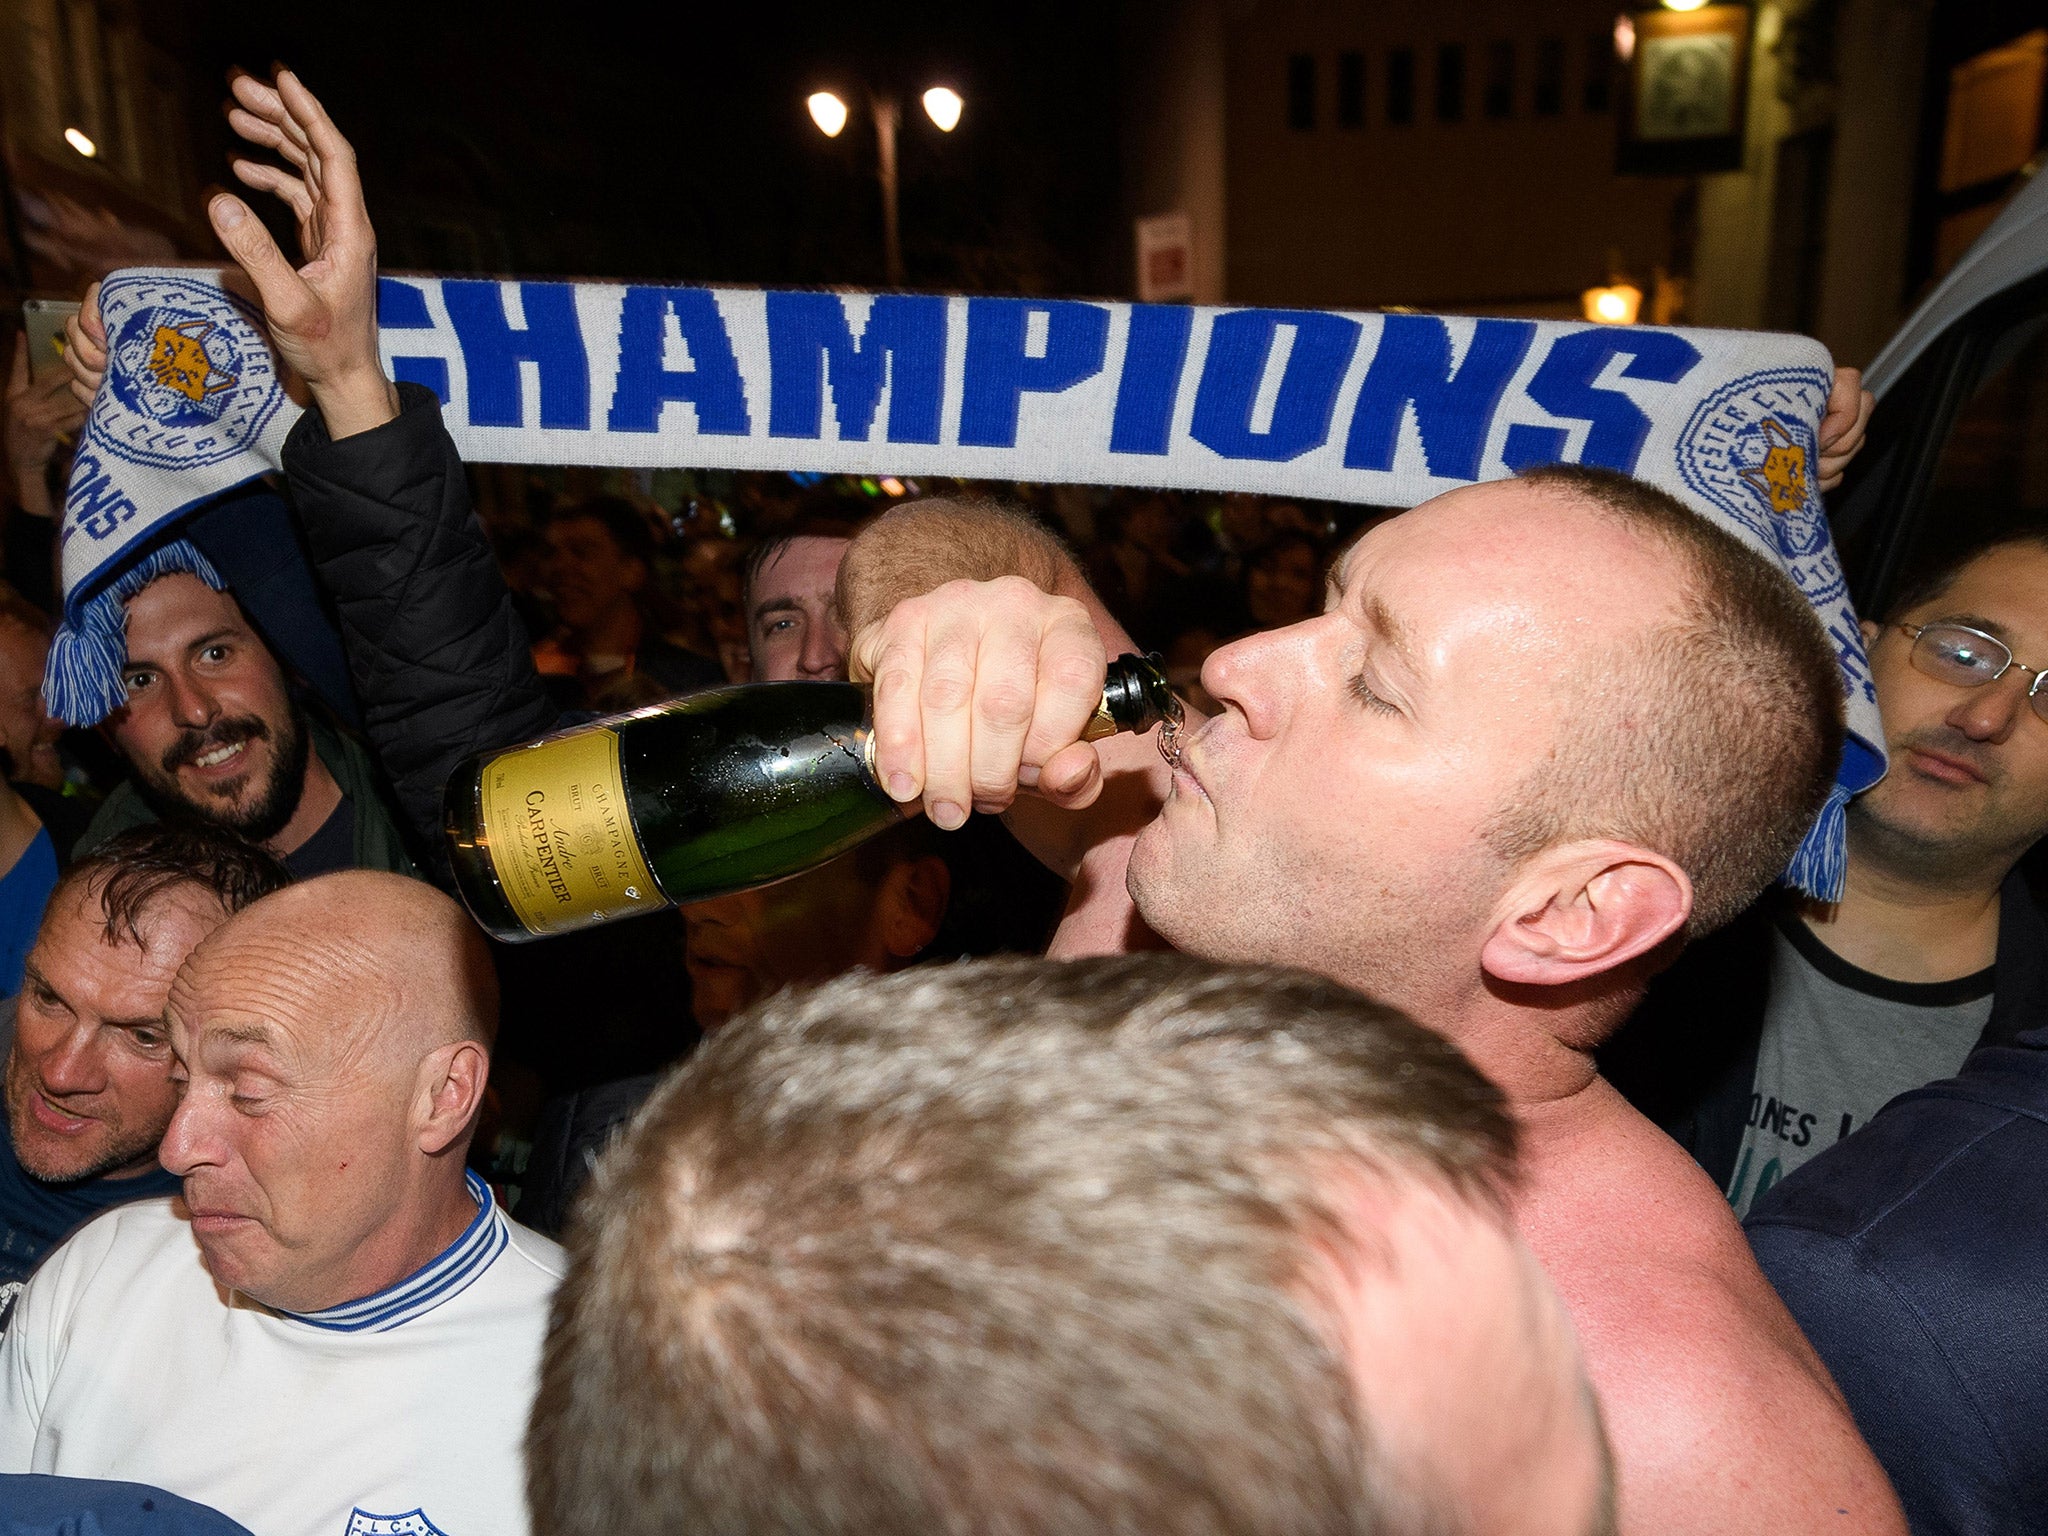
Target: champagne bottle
{"points": [[711, 793]]}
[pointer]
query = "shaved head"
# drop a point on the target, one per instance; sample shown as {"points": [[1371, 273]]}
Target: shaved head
{"points": [[333, 1043], [387, 962]]}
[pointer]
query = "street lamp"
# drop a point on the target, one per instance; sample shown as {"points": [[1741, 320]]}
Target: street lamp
{"points": [[828, 112], [942, 104]]}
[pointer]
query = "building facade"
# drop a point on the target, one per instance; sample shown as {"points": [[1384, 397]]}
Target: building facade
{"points": [[1462, 155], [98, 160]]}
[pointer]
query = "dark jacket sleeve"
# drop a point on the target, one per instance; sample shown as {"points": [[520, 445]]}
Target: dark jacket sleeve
{"points": [[1920, 1416], [441, 663]]}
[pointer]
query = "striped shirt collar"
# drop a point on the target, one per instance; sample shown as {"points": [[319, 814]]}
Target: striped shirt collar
{"points": [[447, 1275]]}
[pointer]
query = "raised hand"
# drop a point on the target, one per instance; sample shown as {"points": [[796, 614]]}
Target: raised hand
{"points": [[37, 416], [323, 314], [981, 687], [1841, 429]]}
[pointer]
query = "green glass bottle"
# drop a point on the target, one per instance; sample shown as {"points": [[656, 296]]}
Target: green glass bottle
{"points": [[706, 794]]}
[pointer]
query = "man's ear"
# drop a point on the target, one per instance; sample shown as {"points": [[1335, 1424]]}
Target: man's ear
{"points": [[1871, 630], [1580, 910], [915, 898], [451, 1091]]}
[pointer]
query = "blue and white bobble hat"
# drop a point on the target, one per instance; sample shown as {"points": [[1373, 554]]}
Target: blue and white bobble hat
{"points": [[82, 682]]}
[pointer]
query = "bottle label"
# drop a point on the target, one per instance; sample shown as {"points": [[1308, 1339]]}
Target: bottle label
{"points": [[560, 835]]}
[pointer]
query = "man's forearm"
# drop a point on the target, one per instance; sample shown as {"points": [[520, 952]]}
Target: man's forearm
{"points": [[920, 546], [360, 402], [32, 495]]}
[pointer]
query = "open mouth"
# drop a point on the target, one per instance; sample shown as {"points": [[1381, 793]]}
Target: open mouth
{"points": [[1187, 778], [219, 755], [1186, 784], [216, 753], [50, 1117]]}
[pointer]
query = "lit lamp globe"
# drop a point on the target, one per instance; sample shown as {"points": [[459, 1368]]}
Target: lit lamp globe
{"points": [[942, 105], [1616, 305], [828, 112]]}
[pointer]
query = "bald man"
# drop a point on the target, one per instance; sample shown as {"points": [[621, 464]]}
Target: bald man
{"points": [[334, 1331]]}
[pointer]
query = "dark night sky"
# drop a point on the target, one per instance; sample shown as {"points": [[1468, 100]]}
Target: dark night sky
{"points": [[603, 141]]}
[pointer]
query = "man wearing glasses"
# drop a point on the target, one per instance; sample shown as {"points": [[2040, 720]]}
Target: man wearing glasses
{"points": [[1768, 1043], [1913, 1253]]}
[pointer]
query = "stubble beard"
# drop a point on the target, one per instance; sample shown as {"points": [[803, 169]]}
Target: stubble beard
{"points": [[1934, 858], [1406, 942], [1947, 853], [117, 1149]]}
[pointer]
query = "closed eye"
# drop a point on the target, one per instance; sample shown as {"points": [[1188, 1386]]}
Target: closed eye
{"points": [[1362, 690]]}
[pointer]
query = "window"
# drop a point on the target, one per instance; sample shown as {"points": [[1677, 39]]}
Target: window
{"points": [[1992, 128], [1958, 451], [1991, 480], [1351, 90], [1401, 85], [1301, 91], [1450, 83], [1499, 97], [1599, 71], [1548, 99]]}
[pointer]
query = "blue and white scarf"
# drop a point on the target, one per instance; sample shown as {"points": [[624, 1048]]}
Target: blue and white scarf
{"points": [[1381, 409]]}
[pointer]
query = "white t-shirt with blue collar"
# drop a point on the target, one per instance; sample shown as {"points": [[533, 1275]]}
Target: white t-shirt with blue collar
{"points": [[401, 1414]]}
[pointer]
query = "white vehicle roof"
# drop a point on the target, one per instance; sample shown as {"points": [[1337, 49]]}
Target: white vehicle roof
{"points": [[2012, 250]]}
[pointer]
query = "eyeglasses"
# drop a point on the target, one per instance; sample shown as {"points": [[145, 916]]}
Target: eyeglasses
{"points": [[1969, 658]]}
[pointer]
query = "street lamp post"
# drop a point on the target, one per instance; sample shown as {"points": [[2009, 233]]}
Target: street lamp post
{"points": [[941, 104], [886, 113]]}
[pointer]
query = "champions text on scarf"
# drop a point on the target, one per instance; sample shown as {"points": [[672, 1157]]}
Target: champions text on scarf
{"points": [[1382, 409]]}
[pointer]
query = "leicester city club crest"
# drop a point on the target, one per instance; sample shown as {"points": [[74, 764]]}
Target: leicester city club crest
{"points": [[190, 380], [412, 1523], [1751, 449]]}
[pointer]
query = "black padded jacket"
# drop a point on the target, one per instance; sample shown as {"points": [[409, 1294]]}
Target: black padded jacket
{"points": [[441, 664], [442, 667]]}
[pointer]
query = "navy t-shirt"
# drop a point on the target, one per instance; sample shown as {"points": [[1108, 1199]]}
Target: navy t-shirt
{"points": [[331, 847], [35, 1217]]}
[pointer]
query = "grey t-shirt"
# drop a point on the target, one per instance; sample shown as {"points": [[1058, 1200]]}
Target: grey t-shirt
{"points": [[1838, 1045]]}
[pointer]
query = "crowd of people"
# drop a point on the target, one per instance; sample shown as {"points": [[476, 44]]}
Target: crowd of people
{"points": [[1417, 1107]]}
